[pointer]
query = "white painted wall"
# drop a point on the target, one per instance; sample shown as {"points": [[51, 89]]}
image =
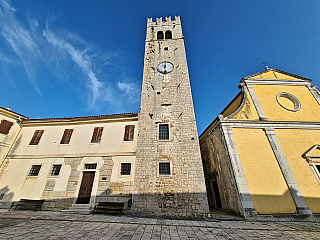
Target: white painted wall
{"points": [[80, 143], [14, 179]]}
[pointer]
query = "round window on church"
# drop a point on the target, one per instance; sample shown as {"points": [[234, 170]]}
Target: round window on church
{"points": [[288, 101]]}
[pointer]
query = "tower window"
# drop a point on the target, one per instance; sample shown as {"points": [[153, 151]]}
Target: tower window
{"points": [[160, 35], [164, 168], [166, 48], [168, 34], [164, 131]]}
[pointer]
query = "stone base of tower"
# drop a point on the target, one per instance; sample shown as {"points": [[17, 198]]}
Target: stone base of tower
{"points": [[181, 205]]}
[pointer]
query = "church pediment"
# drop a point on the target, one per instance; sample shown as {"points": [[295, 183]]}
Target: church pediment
{"points": [[276, 74]]}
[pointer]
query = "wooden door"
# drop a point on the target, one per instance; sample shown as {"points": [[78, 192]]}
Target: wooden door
{"points": [[85, 188]]}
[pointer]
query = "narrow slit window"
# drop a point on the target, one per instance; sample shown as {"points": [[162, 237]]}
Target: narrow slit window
{"points": [[163, 131], [164, 168], [55, 171], [36, 137], [34, 171], [66, 136], [168, 34], [90, 166], [125, 169], [159, 35], [5, 126], [97, 133], [129, 133]]}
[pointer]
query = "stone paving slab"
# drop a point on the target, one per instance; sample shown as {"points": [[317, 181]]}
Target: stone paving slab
{"points": [[57, 225]]}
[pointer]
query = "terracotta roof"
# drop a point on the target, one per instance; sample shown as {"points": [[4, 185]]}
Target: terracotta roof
{"points": [[67, 118], [279, 71]]}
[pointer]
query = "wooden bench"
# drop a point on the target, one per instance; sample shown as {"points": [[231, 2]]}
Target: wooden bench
{"points": [[27, 204], [112, 207]]}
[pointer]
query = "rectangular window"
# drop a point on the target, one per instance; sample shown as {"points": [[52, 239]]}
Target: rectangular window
{"points": [[125, 169], [90, 166], [5, 126], [164, 168], [66, 136], [97, 133], [164, 131], [129, 133], [56, 170], [35, 169], [36, 137]]}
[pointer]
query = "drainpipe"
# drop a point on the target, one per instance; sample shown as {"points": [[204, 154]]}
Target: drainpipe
{"points": [[9, 149]]}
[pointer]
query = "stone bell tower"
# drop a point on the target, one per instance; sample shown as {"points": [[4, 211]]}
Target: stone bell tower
{"points": [[169, 178]]}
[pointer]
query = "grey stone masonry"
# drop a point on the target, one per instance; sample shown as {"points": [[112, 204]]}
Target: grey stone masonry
{"points": [[166, 98]]}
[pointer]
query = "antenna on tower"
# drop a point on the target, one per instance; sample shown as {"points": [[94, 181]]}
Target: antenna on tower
{"points": [[265, 66]]}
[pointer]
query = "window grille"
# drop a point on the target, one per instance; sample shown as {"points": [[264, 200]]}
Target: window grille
{"points": [[129, 133], [96, 137], [163, 131], [56, 170], [35, 169], [5, 126], [164, 168], [36, 137], [125, 169], [90, 166], [66, 136]]}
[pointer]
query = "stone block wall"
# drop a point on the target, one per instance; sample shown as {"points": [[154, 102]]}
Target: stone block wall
{"points": [[167, 98], [217, 167]]}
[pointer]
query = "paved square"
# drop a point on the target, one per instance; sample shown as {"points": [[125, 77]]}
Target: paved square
{"points": [[57, 225]]}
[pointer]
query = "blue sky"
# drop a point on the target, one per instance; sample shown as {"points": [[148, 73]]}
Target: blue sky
{"points": [[79, 58]]}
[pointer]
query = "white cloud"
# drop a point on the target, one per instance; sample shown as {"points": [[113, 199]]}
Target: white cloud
{"points": [[131, 90], [83, 61], [46, 53], [19, 39]]}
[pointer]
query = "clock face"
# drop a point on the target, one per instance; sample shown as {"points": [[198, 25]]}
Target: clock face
{"points": [[165, 67]]}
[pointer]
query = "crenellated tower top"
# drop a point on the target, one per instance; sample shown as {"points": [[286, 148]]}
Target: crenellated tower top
{"points": [[166, 22], [164, 30]]}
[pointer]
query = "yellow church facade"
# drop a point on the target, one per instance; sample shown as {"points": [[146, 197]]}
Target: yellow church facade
{"points": [[261, 155]]}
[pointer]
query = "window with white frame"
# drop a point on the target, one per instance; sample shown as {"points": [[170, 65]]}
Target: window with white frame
{"points": [[125, 169], [164, 168], [55, 171], [164, 133], [34, 171], [89, 166], [317, 167]]}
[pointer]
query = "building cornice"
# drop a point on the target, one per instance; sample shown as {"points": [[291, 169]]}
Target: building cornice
{"points": [[79, 155], [81, 120], [271, 124], [9, 113]]}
